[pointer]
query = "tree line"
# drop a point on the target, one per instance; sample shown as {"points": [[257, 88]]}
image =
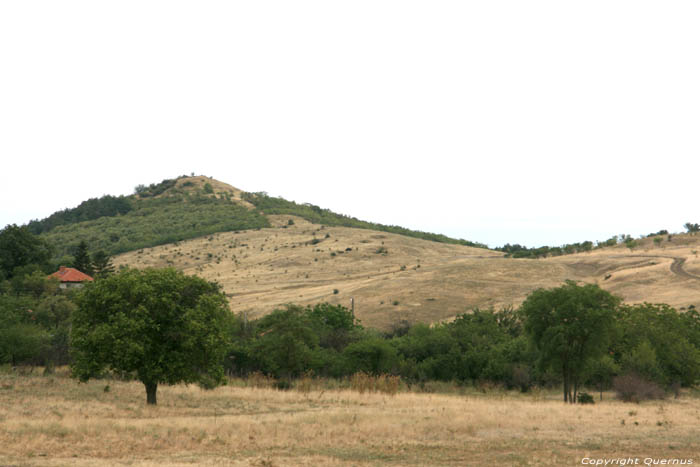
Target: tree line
{"points": [[162, 327]]}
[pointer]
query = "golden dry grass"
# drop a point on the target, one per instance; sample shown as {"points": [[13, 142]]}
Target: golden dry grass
{"points": [[417, 280], [56, 421]]}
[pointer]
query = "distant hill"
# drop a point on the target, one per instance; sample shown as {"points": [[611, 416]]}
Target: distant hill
{"points": [[184, 208]]}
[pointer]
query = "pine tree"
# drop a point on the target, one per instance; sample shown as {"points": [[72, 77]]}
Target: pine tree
{"points": [[82, 261], [102, 264]]}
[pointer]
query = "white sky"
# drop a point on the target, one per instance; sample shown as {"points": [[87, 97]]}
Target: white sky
{"points": [[532, 122]]}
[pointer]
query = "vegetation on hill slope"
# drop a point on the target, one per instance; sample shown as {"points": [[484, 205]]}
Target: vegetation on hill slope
{"points": [[180, 209], [317, 215], [156, 221]]}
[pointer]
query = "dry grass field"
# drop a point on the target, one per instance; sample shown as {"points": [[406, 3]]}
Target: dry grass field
{"points": [[394, 278], [53, 420]]}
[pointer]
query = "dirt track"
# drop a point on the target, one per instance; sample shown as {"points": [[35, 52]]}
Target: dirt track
{"points": [[677, 268]]}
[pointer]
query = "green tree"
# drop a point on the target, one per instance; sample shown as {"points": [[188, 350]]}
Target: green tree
{"points": [[570, 325], [601, 372], [18, 248], [102, 264], [82, 261], [286, 342], [156, 324], [692, 228], [672, 338], [372, 355], [22, 343]]}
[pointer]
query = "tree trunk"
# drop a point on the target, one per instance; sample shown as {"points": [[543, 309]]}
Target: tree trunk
{"points": [[151, 389]]}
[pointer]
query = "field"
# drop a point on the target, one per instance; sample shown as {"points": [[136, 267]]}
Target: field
{"points": [[394, 278], [53, 420]]}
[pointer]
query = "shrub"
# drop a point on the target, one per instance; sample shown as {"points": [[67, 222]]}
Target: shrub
{"points": [[520, 378], [386, 384], [633, 388], [283, 385], [208, 189], [258, 379], [585, 398]]}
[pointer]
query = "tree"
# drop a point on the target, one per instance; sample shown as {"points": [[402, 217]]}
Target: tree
{"points": [[18, 248], [287, 342], [21, 343], [601, 372], [102, 264], [156, 324], [570, 325], [82, 261], [692, 228]]}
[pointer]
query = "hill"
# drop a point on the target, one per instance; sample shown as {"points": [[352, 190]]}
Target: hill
{"points": [[268, 251], [181, 209], [394, 278]]}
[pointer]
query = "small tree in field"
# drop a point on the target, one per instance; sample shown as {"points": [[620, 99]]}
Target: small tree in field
{"points": [[158, 325]]}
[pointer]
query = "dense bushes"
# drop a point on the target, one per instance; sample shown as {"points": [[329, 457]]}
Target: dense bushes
{"points": [[94, 208], [156, 221], [484, 345], [34, 321]]}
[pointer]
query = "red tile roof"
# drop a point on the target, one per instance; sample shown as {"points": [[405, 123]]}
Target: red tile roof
{"points": [[65, 274]]}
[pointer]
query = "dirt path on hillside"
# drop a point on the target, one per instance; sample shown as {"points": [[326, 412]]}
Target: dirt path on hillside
{"points": [[676, 266]]}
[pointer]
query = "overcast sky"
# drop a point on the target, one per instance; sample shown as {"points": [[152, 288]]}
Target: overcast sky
{"points": [[532, 122]]}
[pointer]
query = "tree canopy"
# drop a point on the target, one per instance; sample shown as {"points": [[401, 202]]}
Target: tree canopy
{"points": [[157, 325], [570, 325], [19, 248]]}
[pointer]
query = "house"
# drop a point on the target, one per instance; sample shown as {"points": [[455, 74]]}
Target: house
{"points": [[70, 277]]}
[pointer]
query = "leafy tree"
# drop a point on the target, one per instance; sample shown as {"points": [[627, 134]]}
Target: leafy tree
{"points": [[21, 342], [692, 228], [286, 342], [673, 337], [18, 248], [601, 372], [643, 362], [82, 261], [157, 324], [372, 355], [571, 325], [102, 264], [333, 324]]}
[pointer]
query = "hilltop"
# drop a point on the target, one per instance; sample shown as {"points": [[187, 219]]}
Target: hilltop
{"points": [[267, 251]]}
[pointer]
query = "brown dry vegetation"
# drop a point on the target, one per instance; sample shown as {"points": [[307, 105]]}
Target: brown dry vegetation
{"points": [[263, 269], [52, 420]]}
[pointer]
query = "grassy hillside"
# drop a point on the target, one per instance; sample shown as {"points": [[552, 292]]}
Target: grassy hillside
{"points": [[393, 278], [181, 209]]}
